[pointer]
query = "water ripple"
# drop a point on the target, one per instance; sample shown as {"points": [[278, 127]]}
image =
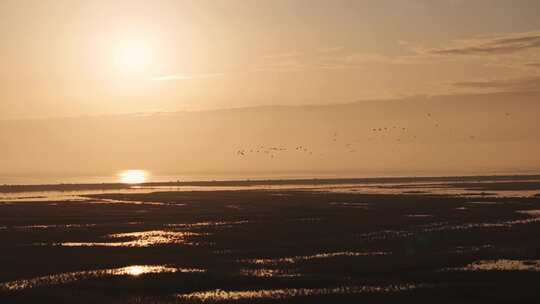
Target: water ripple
{"points": [[295, 259], [219, 295], [269, 273], [501, 265], [69, 277], [140, 239]]}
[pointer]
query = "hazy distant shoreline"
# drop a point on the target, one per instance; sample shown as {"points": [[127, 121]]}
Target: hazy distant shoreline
{"points": [[6, 188]]}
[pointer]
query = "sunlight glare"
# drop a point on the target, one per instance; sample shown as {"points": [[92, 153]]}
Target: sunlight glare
{"points": [[134, 57], [133, 176], [135, 270]]}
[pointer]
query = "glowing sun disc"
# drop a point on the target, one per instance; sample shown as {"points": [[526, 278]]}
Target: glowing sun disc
{"points": [[133, 56]]}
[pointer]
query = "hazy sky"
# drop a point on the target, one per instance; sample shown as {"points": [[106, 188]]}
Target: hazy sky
{"points": [[71, 58], [365, 87]]}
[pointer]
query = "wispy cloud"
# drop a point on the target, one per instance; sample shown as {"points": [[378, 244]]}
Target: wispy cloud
{"points": [[515, 51], [523, 84], [338, 57], [493, 45], [533, 64], [187, 76], [331, 49], [283, 55], [284, 65], [323, 59]]}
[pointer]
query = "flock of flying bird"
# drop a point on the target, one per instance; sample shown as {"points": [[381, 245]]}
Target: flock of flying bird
{"points": [[273, 151]]}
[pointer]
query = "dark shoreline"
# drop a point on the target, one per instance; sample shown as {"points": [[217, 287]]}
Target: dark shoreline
{"points": [[271, 182]]}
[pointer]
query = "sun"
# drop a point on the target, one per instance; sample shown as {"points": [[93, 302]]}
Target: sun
{"points": [[134, 56], [133, 176]]}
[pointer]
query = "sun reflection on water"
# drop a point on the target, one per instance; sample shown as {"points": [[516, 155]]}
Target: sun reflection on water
{"points": [[135, 270], [219, 295], [69, 277], [296, 259], [133, 176], [501, 265], [140, 239]]}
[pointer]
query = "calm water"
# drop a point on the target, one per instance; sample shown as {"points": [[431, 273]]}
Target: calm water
{"points": [[415, 188]]}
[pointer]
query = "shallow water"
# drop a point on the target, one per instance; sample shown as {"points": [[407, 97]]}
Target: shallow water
{"points": [[413, 188], [68, 277], [306, 219], [468, 226], [112, 201], [219, 295], [534, 213], [55, 226], [444, 226], [296, 259], [386, 235], [140, 239], [269, 273], [405, 188], [501, 265], [209, 224], [259, 245], [485, 203], [471, 249]]}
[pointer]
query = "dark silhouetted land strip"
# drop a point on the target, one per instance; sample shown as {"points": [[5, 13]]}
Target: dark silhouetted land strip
{"points": [[291, 239], [458, 181]]}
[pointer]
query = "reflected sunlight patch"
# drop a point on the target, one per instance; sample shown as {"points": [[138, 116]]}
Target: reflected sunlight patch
{"points": [[68, 277], [269, 273], [140, 239], [501, 265], [219, 295], [133, 176], [296, 259]]}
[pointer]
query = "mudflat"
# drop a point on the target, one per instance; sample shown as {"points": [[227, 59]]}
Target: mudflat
{"points": [[277, 245]]}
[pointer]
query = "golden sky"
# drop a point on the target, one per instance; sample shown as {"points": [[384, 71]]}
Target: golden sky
{"points": [[95, 87], [69, 58]]}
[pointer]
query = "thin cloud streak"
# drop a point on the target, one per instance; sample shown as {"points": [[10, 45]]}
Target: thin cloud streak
{"points": [[496, 45], [345, 60], [283, 55], [533, 64], [187, 76], [524, 84], [511, 47]]}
